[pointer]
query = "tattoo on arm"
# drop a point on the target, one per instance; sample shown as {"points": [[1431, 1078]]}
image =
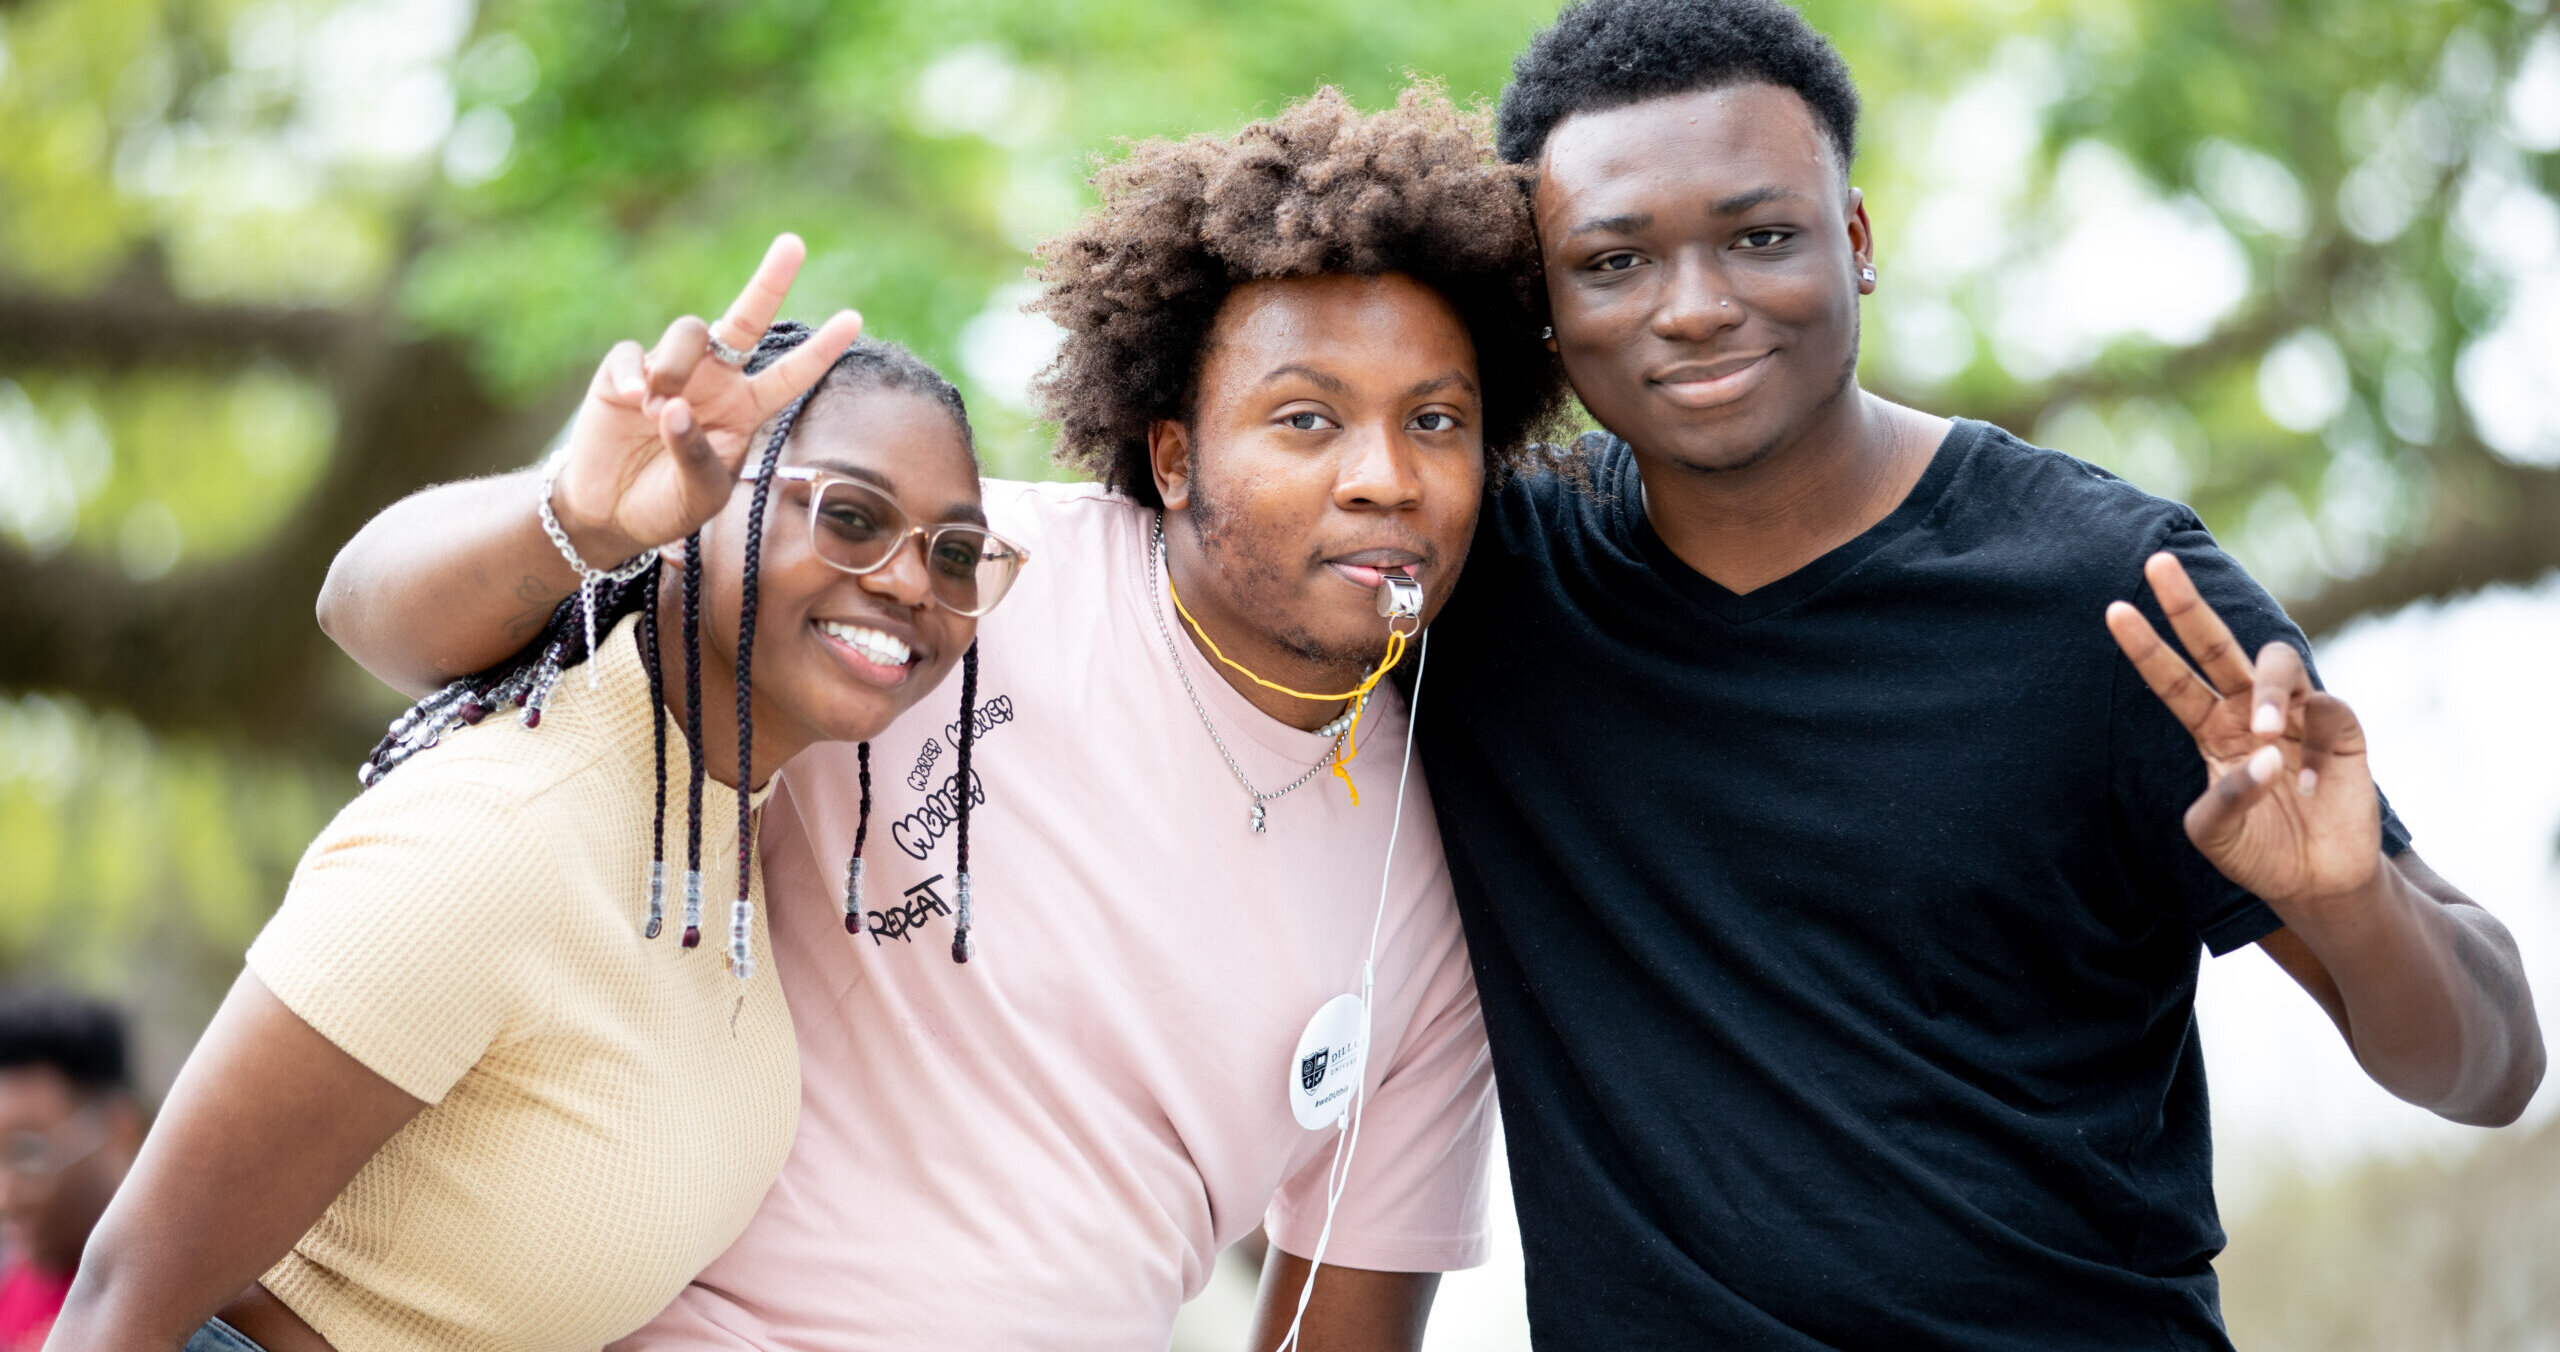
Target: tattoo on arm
{"points": [[538, 602]]}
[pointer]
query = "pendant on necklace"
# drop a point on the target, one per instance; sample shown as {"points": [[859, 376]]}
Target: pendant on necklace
{"points": [[1257, 819]]}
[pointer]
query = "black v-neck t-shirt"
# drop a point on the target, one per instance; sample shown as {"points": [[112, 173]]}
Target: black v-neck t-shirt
{"points": [[1838, 941]]}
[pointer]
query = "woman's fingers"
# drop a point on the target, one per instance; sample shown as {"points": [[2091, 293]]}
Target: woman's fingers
{"points": [[2208, 639], [679, 350], [2213, 823], [622, 376], [2329, 730], [696, 457], [752, 312], [2276, 683], [2168, 675], [800, 368]]}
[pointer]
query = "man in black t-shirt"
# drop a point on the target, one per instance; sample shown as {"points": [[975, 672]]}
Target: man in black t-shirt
{"points": [[1835, 882]]}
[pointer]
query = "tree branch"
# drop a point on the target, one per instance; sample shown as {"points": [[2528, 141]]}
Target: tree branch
{"points": [[231, 645], [139, 321], [2496, 522], [2166, 372]]}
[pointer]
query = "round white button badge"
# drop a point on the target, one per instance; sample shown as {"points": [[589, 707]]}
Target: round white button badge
{"points": [[1327, 1065]]}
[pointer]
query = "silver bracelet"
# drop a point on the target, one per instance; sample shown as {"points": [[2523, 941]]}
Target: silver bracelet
{"points": [[590, 579]]}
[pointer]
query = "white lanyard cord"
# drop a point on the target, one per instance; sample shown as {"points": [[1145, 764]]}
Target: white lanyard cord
{"points": [[1347, 1145]]}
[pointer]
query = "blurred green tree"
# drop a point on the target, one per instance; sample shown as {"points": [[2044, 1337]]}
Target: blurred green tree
{"points": [[266, 265]]}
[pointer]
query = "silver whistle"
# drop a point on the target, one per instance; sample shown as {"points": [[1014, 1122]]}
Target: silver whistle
{"points": [[1399, 596]]}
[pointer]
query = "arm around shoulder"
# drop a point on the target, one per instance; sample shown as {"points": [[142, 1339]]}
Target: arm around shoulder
{"points": [[444, 582]]}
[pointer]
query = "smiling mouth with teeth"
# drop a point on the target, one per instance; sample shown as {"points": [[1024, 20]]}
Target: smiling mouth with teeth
{"points": [[882, 649]]}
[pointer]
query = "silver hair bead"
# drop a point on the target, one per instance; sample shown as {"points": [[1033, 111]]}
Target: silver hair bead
{"points": [[657, 899], [742, 958], [511, 690], [853, 895], [961, 946], [545, 680]]}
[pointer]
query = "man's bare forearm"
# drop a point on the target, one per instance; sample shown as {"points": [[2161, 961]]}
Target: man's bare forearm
{"points": [[1352, 1309], [446, 581], [2428, 988]]}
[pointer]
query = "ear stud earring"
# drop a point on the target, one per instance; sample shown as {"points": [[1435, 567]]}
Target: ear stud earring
{"points": [[1867, 274]]}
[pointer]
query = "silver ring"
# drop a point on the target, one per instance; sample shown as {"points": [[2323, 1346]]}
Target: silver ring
{"points": [[724, 353]]}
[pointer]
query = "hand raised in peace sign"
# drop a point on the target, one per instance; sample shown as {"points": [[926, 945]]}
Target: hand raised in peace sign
{"points": [[658, 443], [2290, 811]]}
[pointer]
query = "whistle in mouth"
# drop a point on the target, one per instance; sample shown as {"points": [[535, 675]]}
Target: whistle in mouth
{"points": [[1399, 596]]}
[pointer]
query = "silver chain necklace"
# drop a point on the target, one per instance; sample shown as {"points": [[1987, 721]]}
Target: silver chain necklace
{"points": [[1261, 800]]}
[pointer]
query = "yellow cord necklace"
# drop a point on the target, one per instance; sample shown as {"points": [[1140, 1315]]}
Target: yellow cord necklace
{"points": [[1359, 694]]}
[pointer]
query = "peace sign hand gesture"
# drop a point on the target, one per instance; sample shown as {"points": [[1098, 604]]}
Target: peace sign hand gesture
{"points": [[657, 445], [2290, 811]]}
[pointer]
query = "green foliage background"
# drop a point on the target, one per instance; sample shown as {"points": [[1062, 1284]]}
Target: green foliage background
{"points": [[265, 264]]}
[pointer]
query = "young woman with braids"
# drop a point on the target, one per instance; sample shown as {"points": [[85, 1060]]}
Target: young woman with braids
{"points": [[477, 1087]]}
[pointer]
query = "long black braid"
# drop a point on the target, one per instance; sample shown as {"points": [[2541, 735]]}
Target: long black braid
{"points": [[960, 780], [741, 954], [861, 837], [693, 739], [650, 657]]}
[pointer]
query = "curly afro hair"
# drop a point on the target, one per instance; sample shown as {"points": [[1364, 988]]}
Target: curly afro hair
{"points": [[1602, 54], [1318, 189]]}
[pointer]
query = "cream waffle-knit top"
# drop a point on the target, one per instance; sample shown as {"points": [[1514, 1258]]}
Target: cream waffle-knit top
{"points": [[605, 1110]]}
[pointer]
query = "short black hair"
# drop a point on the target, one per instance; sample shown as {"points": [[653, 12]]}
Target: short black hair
{"points": [[1602, 54], [80, 1037]]}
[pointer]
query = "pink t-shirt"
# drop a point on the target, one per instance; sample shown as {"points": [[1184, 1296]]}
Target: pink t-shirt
{"points": [[1049, 1146]]}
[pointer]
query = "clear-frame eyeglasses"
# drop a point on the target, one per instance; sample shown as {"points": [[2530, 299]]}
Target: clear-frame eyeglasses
{"points": [[859, 529]]}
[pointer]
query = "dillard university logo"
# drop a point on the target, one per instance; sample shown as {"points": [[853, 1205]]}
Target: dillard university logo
{"points": [[1311, 1069]]}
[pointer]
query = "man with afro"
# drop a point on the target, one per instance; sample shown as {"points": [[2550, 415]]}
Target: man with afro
{"points": [[1294, 356], [1835, 882]]}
